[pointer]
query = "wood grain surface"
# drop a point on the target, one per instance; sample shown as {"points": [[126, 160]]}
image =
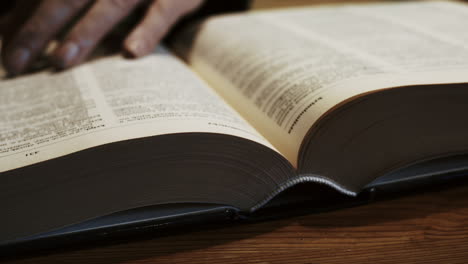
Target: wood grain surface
{"points": [[424, 228]]}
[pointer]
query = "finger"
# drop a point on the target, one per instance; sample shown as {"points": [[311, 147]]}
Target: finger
{"points": [[11, 22], [20, 11], [90, 30], [161, 16], [34, 35]]}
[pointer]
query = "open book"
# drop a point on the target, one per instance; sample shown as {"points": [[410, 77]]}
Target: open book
{"points": [[337, 95]]}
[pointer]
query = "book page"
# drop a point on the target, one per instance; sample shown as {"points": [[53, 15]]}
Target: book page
{"points": [[47, 115], [284, 69]]}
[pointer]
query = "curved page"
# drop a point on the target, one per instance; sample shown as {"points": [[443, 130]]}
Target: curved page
{"points": [[48, 115], [284, 69]]}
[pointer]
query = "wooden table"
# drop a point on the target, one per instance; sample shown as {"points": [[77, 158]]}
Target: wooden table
{"points": [[424, 228]]}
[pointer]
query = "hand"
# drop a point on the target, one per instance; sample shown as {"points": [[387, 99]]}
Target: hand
{"points": [[42, 21]]}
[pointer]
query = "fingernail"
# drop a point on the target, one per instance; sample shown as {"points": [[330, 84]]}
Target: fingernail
{"points": [[19, 61], [66, 55]]}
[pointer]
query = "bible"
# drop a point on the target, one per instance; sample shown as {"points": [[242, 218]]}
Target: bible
{"points": [[236, 110]]}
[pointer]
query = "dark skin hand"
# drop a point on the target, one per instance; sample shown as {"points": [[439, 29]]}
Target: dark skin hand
{"points": [[30, 26]]}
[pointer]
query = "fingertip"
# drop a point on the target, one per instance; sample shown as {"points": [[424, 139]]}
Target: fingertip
{"points": [[137, 47], [16, 61], [65, 56]]}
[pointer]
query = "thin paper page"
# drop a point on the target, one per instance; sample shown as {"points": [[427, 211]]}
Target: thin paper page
{"points": [[48, 115], [287, 68]]}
